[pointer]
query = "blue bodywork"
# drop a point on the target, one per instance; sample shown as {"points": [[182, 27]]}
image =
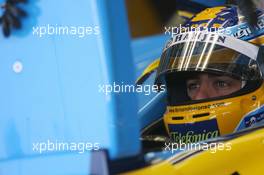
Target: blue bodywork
{"points": [[150, 106], [55, 96]]}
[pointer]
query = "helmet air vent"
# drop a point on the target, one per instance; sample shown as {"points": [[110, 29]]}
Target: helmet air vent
{"points": [[201, 115], [177, 118]]}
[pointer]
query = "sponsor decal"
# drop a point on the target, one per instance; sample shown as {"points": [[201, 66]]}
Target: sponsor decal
{"points": [[255, 117], [245, 32], [196, 36], [199, 36], [196, 108], [194, 132], [252, 120]]}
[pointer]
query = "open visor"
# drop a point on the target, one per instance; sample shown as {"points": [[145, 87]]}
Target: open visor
{"points": [[208, 52]]}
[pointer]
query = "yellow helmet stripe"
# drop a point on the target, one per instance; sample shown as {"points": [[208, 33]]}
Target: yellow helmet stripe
{"points": [[148, 71]]}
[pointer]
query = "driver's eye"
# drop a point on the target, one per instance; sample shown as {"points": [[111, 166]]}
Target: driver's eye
{"points": [[221, 84], [192, 86]]}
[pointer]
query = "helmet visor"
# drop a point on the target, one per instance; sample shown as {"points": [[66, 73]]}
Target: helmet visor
{"points": [[206, 52]]}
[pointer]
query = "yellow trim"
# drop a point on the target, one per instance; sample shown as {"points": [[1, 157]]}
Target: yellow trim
{"points": [[245, 156], [207, 14], [185, 14], [148, 70], [258, 41]]}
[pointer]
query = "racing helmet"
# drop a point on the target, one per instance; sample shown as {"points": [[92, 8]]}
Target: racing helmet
{"points": [[217, 41]]}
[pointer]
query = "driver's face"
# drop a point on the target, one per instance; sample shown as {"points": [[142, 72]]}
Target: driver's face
{"points": [[206, 85]]}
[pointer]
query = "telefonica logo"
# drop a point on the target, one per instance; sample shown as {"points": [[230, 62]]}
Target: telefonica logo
{"points": [[192, 137]]}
